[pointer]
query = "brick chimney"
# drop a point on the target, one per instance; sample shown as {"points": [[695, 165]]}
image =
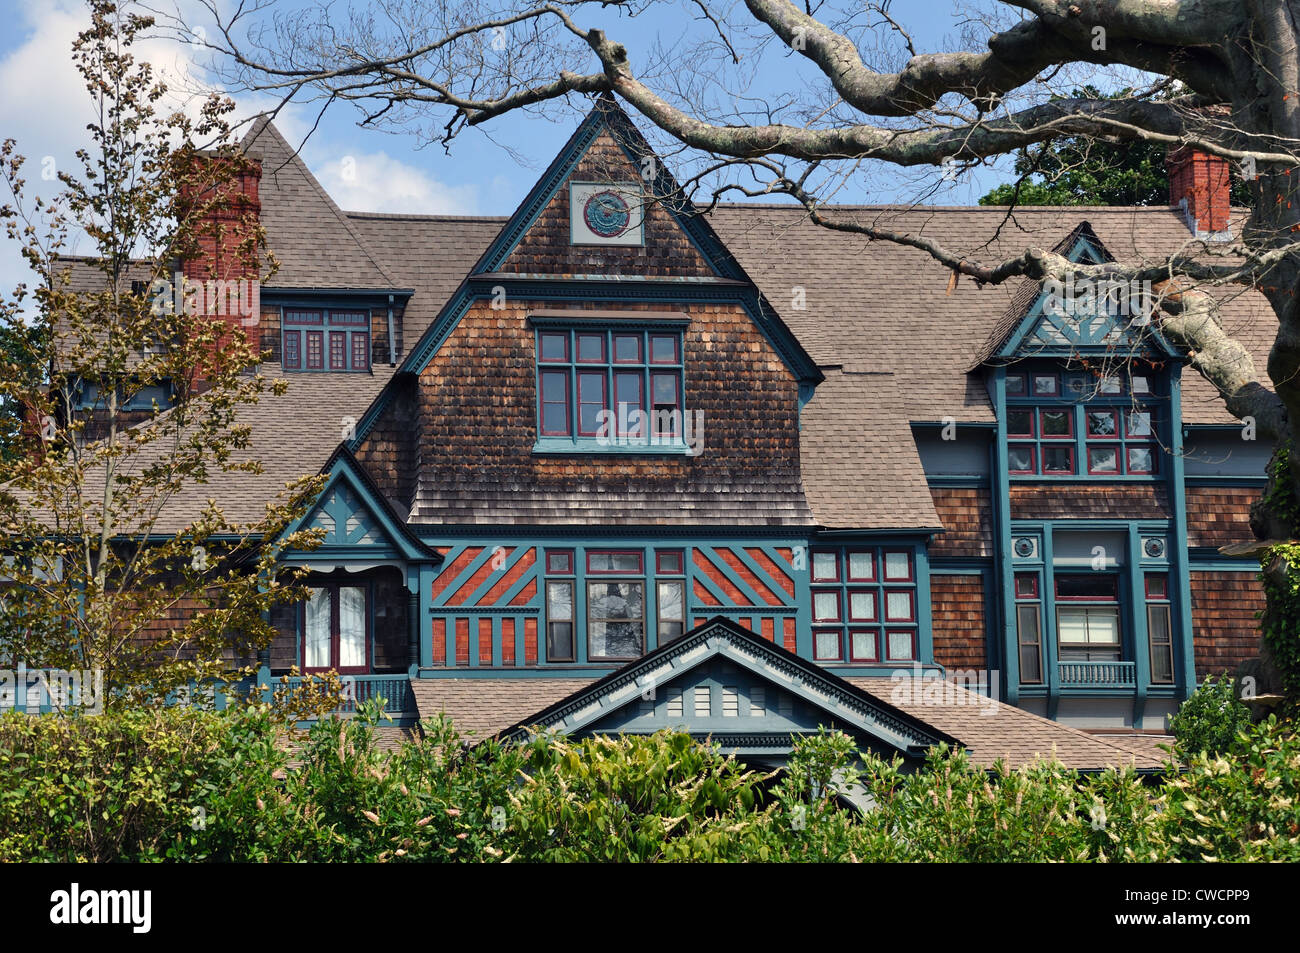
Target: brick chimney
{"points": [[222, 265], [1199, 184]]}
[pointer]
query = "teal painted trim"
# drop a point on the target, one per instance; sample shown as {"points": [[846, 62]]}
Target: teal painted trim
{"points": [[712, 589], [1226, 481], [1050, 655], [1223, 565], [1185, 658], [568, 446], [462, 577], [924, 607], [763, 575], [1009, 646], [496, 575], [976, 481], [1137, 607], [721, 565], [801, 572]]}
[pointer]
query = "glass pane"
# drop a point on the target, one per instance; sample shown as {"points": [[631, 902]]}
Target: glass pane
{"points": [[669, 631], [1031, 665], [1097, 585], [827, 643], [559, 641], [670, 562], [1072, 624], [1103, 459], [1026, 585], [664, 388], [555, 347], [1111, 385], [861, 566], [1101, 423], [559, 601], [1015, 385], [1162, 658], [352, 627], [1157, 586], [591, 401], [627, 348], [864, 646], [1045, 384], [825, 566], [316, 637], [555, 386], [615, 611], [1020, 422], [1020, 459], [559, 562], [1140, 385], [898, 606], [900, 645], [898, 566], [670, 600], [1055, 423], [615, 600], [1103, 626], [826, 606], [1139, 423], [1031, 656], [1058, 460], [862, 606], [1141, 460], [663, 348], [591, 348], [614, 562]]}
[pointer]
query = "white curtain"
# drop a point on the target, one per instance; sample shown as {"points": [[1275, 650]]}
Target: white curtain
{"points": [[352, 626], [317, 635]]}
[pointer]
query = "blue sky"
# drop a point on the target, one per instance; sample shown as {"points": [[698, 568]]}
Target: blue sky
{"points": [[46, 109]]}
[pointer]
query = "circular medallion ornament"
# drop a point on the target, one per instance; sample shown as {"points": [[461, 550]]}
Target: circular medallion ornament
{"points": [[607, 214]]}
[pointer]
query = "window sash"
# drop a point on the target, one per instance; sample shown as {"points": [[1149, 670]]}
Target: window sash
{"points": [[616, 619], [559, 620]]}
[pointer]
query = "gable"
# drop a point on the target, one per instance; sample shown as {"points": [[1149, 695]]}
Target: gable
{"points": [[725, 683], [607, 206], [356, 521]]}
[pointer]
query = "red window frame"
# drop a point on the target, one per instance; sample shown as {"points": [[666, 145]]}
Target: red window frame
{"points": [[875, 606], [912, 654], [640, 562], [588, 336], [1128, 464], [874, 635], [361, 350], [672, 339], [1029, 413], [848, 565], [839, 608], [304, 317], [640, 346], [839, 645], [552, 564], [291, 357], [333, 588], [1033, 457], [543, 337], [1153, 596], [1069, 419], [884, 558], [1023, 391], [338, 350], [911, 605], [1032, 579], [1069, 453], [1033, 385], [315, 350], [624, 418], [543, 403], [1111, 412], [661, 570], [674, 407], [1118, 448], [812, 566], [584, 401]]}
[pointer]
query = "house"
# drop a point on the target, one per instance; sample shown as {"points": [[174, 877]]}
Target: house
{"points": [[612, 465]]}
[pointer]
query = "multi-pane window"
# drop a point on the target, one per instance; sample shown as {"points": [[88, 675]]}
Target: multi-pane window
{"points": [[1029, 631], [559, 606], [670, 594], [1063, 424], [864, 605], [323, 339], [1087, 617], [609, 383], [335, 625], [615, 606], [1159, 631]]}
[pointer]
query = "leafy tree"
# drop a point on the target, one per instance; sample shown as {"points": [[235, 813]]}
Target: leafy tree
{"points": [[96, 578], [1210, 721]]}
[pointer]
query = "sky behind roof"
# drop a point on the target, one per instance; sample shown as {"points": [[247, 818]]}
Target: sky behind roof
{"points": [[45, 108]]}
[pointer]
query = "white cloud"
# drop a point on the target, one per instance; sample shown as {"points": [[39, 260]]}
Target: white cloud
{"points": [[376, 182]]}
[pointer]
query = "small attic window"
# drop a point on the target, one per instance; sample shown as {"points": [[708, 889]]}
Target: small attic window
{"points": [[325, 340]]}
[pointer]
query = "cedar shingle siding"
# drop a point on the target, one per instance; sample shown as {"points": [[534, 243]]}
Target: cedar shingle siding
{"points": [[1219, 516], [959, 624], [967, 515], [1224, 628]]}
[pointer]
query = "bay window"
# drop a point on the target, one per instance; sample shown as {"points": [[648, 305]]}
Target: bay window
{"points": [[864, 605]]}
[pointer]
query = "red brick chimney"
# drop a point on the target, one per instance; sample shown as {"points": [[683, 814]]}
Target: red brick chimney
{"points": [[224, 264], [1199, 184]]}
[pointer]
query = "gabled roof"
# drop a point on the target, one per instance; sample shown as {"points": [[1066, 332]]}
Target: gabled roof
{"points": [[903, 706], [832, 696], [316, 245]]}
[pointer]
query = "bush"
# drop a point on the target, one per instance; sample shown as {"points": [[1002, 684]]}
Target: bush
{"points": [[1210, 721], [179, 784]]}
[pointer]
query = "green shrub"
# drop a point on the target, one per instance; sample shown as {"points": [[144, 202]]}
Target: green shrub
{"points": [[1210, 721]]}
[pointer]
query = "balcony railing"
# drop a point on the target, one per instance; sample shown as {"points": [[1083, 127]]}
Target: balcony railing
{"points": [[394, 689], [1098, 674]]}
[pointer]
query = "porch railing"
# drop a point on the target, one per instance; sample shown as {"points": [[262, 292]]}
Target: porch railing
{"points": [[394, 689], [1098, 674]]}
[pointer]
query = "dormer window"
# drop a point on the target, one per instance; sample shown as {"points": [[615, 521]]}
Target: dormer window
{"points": [[1065, 423], [325, 340], [610, 388]]}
